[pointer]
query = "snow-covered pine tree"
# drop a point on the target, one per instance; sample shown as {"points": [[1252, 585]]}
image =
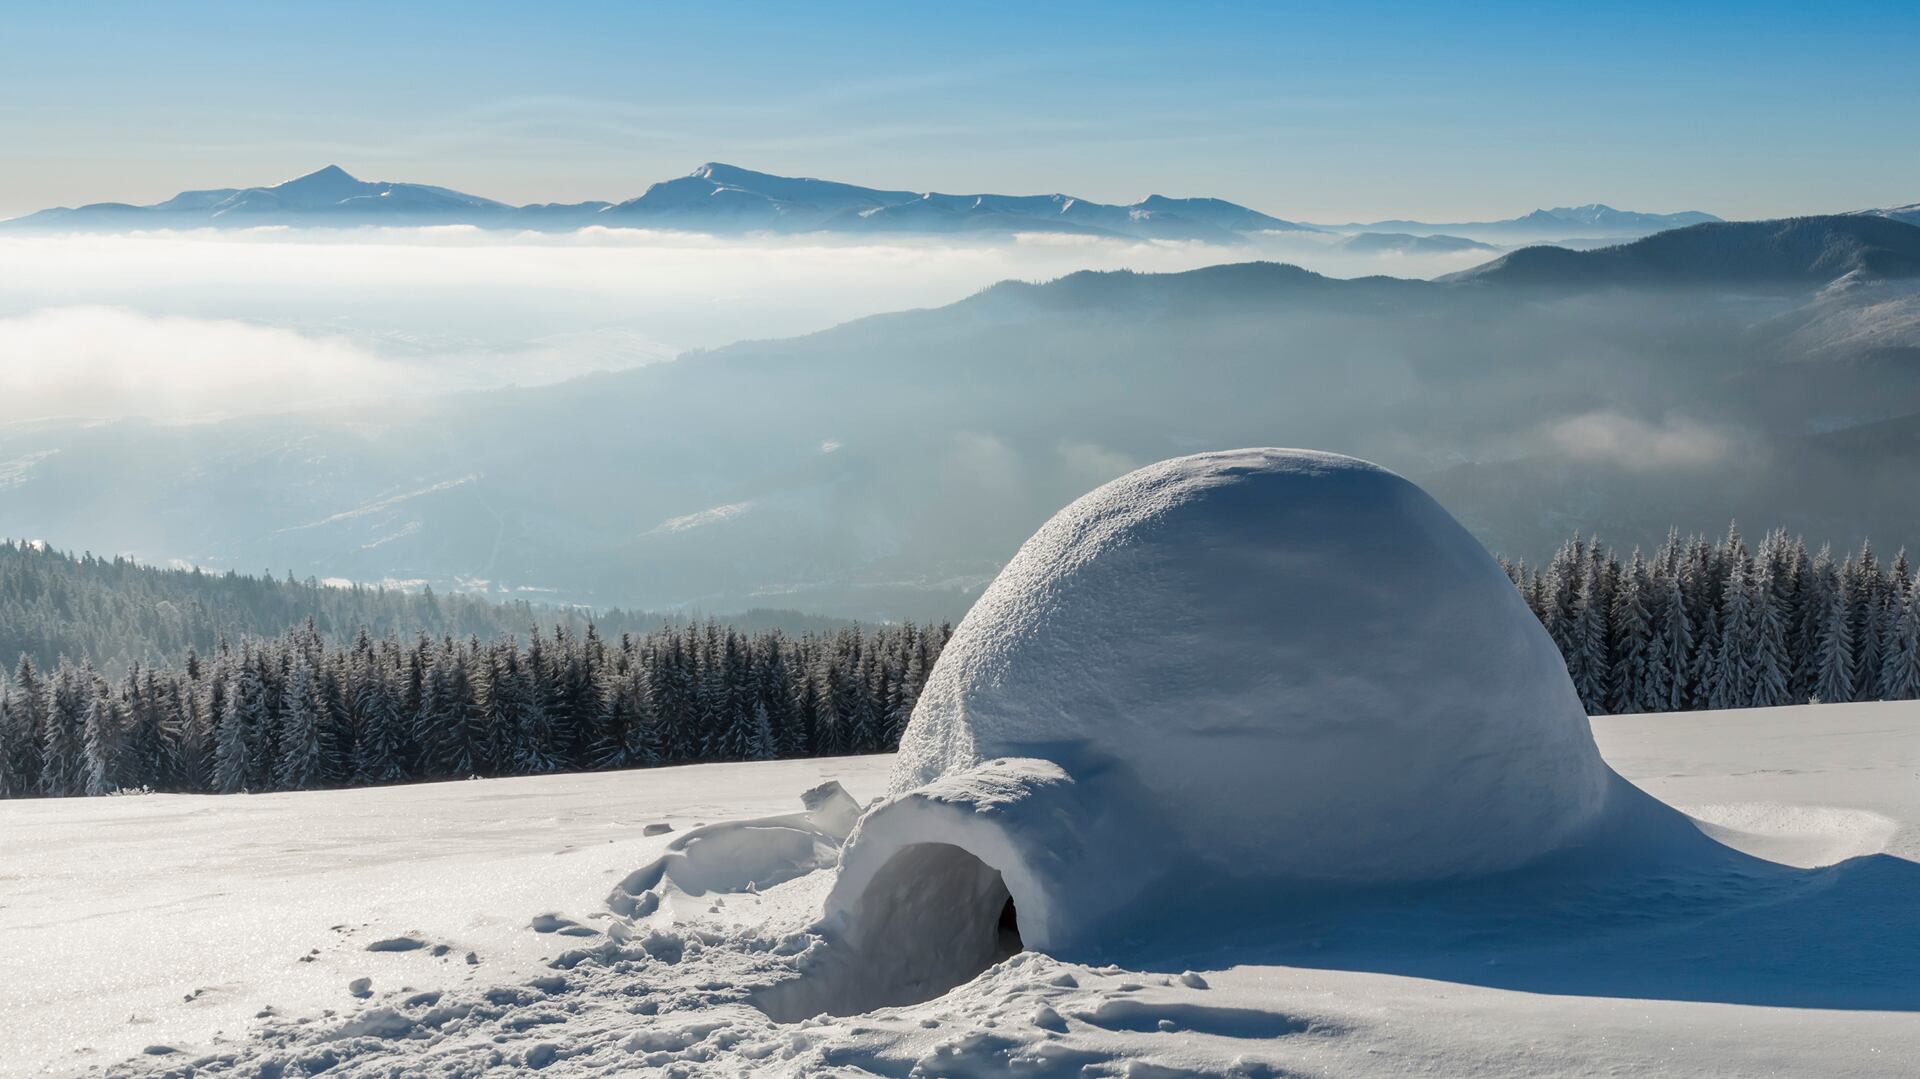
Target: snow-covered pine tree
{"points": [[801, 737], [231, 768], [673, 691], [829, 736], [1655, 689], [63, 760], [775, 693], [610, 730], [1633, 636], [1704, 678], [730, 731], [23, 758], [645, 744], [1866, 610], [1816, 593], [1833, 663], [711, 695], [471, 691], [337, 728], [578, 684], [1677, 645], [196, 735], [300, 760], [1900, 655], [1771, 669], [763, 747], [259, 712], [151, 735], [9, 743], [1732, 684], [103, 744], [863, 720], [378, 748], [1566, 582], [518, 697]]}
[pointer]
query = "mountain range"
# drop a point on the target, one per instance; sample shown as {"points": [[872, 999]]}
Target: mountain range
{"points": [[1768, 371], [1801, 250], [719, 198], [1910, 213], [1594, 220], [712, 198]]}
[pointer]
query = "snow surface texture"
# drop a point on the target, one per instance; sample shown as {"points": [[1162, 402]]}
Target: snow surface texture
{"points": [[1236, 674], [184, 923]]}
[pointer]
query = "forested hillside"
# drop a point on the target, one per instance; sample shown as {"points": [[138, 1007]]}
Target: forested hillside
{"points": [[1704, 625], [294, 713], [112, 613]]}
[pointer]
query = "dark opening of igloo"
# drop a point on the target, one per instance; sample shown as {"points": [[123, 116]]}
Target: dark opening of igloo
{"points": [[1009, 932], [932, 918]]}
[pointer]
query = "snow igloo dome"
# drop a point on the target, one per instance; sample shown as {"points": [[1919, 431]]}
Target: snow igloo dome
{"points": [[1253, 669]]}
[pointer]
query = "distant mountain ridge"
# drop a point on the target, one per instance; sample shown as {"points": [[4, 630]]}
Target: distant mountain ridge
{"points": [[328, 194], [721, 198], [1909, 213], [1593, 220], [1797, 250], [715, 198]]}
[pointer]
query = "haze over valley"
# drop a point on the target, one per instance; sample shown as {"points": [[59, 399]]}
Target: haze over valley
{"points": [[799, 408]]}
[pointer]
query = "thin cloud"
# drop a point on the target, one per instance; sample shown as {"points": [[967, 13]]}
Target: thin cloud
{"points": [[1618, 439]]}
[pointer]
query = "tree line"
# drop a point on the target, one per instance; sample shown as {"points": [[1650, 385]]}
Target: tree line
{"points": [[297, 713], [1710, 624], [1698, 625], [115, 612]]}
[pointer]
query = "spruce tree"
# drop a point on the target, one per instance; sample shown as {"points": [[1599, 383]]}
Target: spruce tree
{"points": [[63, 760], [9, 741], [1833, 665], [103, 743], [1900, 658], [1771, 668], [231, 767], [1676, 636], [1633, 635], [300, 762], [23, 758], [762, 746], [378, 748], [1732, 685]]}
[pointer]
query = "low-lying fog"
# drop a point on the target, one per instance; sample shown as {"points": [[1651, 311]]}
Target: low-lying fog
{"points": [[181, 326]]}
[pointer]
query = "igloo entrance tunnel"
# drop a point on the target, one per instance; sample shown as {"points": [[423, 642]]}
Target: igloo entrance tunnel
{"points": [[1213, 678]]}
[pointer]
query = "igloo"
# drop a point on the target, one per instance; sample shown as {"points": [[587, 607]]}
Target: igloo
{"points": [[1213, 678]]}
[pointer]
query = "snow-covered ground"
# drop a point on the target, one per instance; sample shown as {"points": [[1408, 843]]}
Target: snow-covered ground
{"points": [[235, 932]]}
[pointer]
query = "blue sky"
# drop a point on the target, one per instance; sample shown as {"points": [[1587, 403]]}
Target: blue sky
{"points": [[1319, 112]]}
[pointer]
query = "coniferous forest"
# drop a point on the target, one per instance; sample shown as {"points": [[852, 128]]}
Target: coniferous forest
{"points": [[1703, 624], [1699, 624], [115, 612], [294, 713]]}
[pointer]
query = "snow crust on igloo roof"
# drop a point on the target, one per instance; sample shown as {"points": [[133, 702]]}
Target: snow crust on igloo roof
{"points": [[1301, 664]]}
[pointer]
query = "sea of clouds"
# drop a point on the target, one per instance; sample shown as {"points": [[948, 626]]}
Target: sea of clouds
{"points": [[181, 326]]}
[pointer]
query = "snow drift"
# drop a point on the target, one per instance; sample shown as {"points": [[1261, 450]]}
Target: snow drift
{"points": [[1213, 678]]}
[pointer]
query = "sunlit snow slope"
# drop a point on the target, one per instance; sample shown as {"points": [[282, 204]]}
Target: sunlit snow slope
{"points": [[234, 931]]}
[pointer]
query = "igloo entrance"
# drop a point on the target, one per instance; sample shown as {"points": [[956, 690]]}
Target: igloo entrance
{"points": [[932, 918]]}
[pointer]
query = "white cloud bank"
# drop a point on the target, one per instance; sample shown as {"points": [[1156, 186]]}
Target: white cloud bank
{"points": [[108, 362], [193, 324]]}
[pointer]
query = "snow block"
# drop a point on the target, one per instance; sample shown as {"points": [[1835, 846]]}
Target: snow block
{"points": [[1230, 673]]}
